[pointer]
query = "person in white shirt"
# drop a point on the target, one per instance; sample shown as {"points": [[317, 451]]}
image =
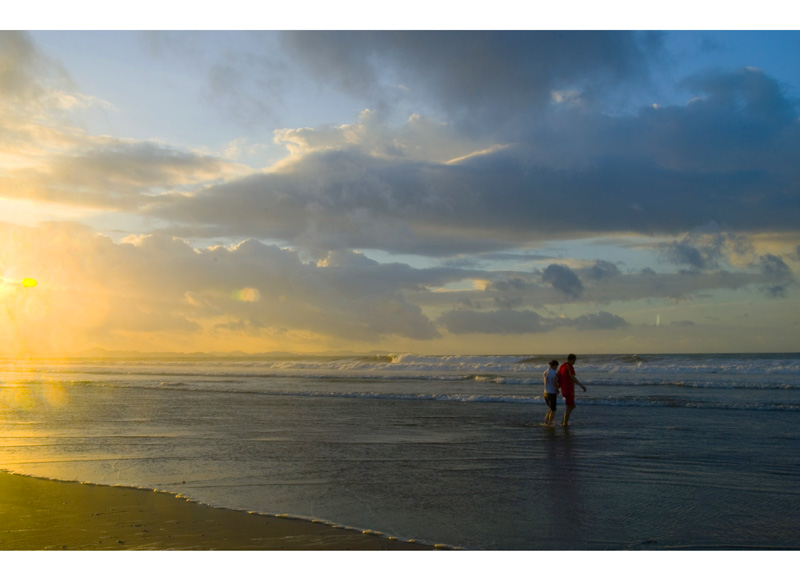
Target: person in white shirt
{"points": [[550, 377]]}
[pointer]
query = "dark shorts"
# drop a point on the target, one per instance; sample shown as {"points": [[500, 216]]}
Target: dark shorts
{"points": [[551, 401]]}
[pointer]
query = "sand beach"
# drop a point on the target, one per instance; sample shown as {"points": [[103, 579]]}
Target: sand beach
{"points": [[38, 514]]}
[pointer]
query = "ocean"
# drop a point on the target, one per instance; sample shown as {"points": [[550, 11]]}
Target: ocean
{"points": [[663, 452]]}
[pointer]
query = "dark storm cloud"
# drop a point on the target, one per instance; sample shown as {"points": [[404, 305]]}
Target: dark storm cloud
{"points": [[565, 169], [727, 157], [486, 76], [346, 199]]}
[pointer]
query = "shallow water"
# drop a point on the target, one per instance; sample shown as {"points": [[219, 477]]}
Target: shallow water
{"points": [[443, 450]]}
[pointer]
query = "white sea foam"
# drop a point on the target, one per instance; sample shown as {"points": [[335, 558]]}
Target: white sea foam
{"points": [[707, 371]]}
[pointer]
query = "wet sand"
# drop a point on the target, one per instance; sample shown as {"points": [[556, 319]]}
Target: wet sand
{"points": [[38, 514]]}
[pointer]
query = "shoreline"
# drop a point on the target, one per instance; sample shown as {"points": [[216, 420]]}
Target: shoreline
{"points": [[47, 514]]}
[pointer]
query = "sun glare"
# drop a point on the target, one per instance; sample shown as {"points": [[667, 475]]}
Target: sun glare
{"points": [[37, 392], [246, 295]]}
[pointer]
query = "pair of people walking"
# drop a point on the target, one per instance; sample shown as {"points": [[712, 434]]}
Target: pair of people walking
{"points": [[561, 378]]}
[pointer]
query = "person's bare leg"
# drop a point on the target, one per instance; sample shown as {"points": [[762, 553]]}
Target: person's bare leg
{"points": [[567, 412]]}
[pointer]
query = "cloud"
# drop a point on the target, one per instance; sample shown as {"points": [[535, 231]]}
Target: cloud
{"points": [[479, 79], [35, 96], [677, 287], [777, 273], [486, 77], [518, 322], [113, 174], [240, 73], [601, 320], [775, 268], [111, 291], [564, 280], [602, 270], [46, 156], [429, 186], [419, 139], [705, 247], [507, 142], [521, 290], [573, 175], [102, 292], [25, 72], [762, 108], [342, 199], [501, 322], [510, 291]]}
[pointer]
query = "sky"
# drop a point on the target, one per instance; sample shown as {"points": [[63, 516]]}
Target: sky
{"points": [[438, 191]]}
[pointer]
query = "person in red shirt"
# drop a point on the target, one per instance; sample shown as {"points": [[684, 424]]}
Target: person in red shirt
{"points": [[567, 381]]}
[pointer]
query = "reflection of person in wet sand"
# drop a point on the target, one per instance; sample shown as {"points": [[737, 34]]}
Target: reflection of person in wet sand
{"points": [[567, 381], [551, 391]]}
